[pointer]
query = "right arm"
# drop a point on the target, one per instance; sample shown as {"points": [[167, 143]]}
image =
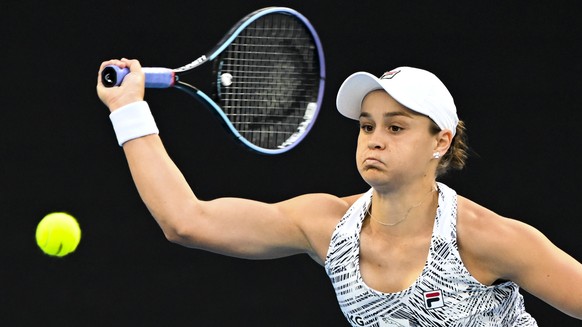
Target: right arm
{"points": [[231, 226]]}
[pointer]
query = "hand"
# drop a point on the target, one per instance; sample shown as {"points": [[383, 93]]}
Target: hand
{"points": [[131, 90]]}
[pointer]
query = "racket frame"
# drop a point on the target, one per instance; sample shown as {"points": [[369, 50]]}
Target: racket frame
{"points": [[158, 77], [230, 36]]}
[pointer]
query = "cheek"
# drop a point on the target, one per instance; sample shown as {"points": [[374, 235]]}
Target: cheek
{"points": [[360, 139], [360, 145], [359, 154]]}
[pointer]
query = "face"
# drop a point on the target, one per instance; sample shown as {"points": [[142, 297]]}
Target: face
{"points": [[394, 144]]}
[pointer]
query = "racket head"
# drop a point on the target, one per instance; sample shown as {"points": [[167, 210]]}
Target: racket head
{"points": [[268, 79]]}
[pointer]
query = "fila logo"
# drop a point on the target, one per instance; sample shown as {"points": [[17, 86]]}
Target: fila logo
{"points": [[390, 74], [433, 299]]}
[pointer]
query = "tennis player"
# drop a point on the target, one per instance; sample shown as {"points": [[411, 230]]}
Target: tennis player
{"points": [[409, 252]]}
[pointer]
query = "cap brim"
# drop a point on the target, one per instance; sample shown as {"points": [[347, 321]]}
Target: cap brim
{"points": [[352, 92]]}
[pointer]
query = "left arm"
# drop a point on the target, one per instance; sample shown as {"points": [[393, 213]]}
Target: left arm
{"points": [[496, 247], [541, 268]]}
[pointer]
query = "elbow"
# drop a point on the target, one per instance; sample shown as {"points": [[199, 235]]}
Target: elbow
{"points": [[173, 236], [180, 226], [180, 235]]}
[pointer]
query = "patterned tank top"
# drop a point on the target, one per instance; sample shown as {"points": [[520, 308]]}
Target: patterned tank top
{"points": [[445, 293]]}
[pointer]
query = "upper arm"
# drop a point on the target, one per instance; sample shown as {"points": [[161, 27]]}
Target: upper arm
{"points": [[258, 230], [542, 269], [231, 226], [508, 249]]}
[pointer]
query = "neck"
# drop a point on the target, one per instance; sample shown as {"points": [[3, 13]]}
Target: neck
{"points": [[390, 213]]}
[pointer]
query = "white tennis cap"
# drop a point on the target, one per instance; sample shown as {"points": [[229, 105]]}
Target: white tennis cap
{"points": [[416, 89]]}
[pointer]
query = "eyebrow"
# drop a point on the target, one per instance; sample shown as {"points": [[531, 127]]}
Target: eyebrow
{"points": [[387, 114]]}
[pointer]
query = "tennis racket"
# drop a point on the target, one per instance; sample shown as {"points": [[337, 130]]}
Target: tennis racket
{"points": [[267, 80]]}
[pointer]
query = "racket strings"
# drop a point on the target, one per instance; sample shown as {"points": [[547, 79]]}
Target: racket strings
{"points": [[275, 71]]}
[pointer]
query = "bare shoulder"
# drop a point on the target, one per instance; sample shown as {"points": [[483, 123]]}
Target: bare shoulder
{"points": [[495, 247], [490, 243], [320, 202], [317, 208], [475, 220], [317, 215]]}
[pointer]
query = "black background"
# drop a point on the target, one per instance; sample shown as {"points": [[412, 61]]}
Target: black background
{"points": [[513, 68]]}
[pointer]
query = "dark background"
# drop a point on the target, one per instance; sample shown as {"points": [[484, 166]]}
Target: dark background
{"points": [[514, 70]]}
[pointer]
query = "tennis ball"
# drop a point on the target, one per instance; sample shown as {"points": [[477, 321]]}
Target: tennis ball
{"points": [[58, 234]]}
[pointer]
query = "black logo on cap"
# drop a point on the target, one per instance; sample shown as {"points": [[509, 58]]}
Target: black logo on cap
{"points": [[390, 74]]}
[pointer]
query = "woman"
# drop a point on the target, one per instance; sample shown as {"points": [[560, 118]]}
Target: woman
{"points": [[409, 252]]}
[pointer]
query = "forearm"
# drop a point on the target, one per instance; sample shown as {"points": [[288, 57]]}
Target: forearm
{"points": [[161, 185], [159, 182]]}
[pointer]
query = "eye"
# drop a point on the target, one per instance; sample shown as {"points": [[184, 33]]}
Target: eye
{"points": [[366, 128], [394, 128]]}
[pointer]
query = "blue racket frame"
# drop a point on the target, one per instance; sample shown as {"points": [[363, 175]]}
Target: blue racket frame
{"points": [[165, 78]]}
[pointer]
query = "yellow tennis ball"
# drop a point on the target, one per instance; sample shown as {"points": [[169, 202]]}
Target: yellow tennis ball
{"points": [[58, 234]]}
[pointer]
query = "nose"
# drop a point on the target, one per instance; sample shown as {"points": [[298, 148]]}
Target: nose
{"points": [[375, 141]]}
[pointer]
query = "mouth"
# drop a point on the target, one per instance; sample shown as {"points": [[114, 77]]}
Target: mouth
{"points": [[371, 161]]}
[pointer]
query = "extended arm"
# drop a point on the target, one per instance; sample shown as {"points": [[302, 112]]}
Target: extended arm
{"points": [[542, 269], [499, 248], [231, 226]]}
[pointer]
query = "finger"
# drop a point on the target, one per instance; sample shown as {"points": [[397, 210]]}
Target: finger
{"points": [[120, 63], [133, 64], [115, 62]]}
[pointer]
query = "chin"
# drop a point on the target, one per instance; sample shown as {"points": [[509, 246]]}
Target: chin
{"points": [[373, 176]]}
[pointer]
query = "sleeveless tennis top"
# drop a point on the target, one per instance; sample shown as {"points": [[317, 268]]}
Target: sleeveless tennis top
{"points": [[445, 293]]}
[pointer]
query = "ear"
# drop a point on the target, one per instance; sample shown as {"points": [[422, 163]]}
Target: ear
{"points": [[443, 139]]}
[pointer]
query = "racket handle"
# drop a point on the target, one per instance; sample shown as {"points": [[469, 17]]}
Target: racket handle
{"points": [[155, 78]]}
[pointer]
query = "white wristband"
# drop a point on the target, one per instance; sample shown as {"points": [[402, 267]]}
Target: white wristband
{"points": [[132, 121]]}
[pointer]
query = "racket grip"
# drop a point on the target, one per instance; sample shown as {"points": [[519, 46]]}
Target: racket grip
{"points": [[155, 77]]}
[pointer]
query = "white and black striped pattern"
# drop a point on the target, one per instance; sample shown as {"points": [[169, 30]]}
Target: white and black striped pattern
{"points": [[445, 294]]}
